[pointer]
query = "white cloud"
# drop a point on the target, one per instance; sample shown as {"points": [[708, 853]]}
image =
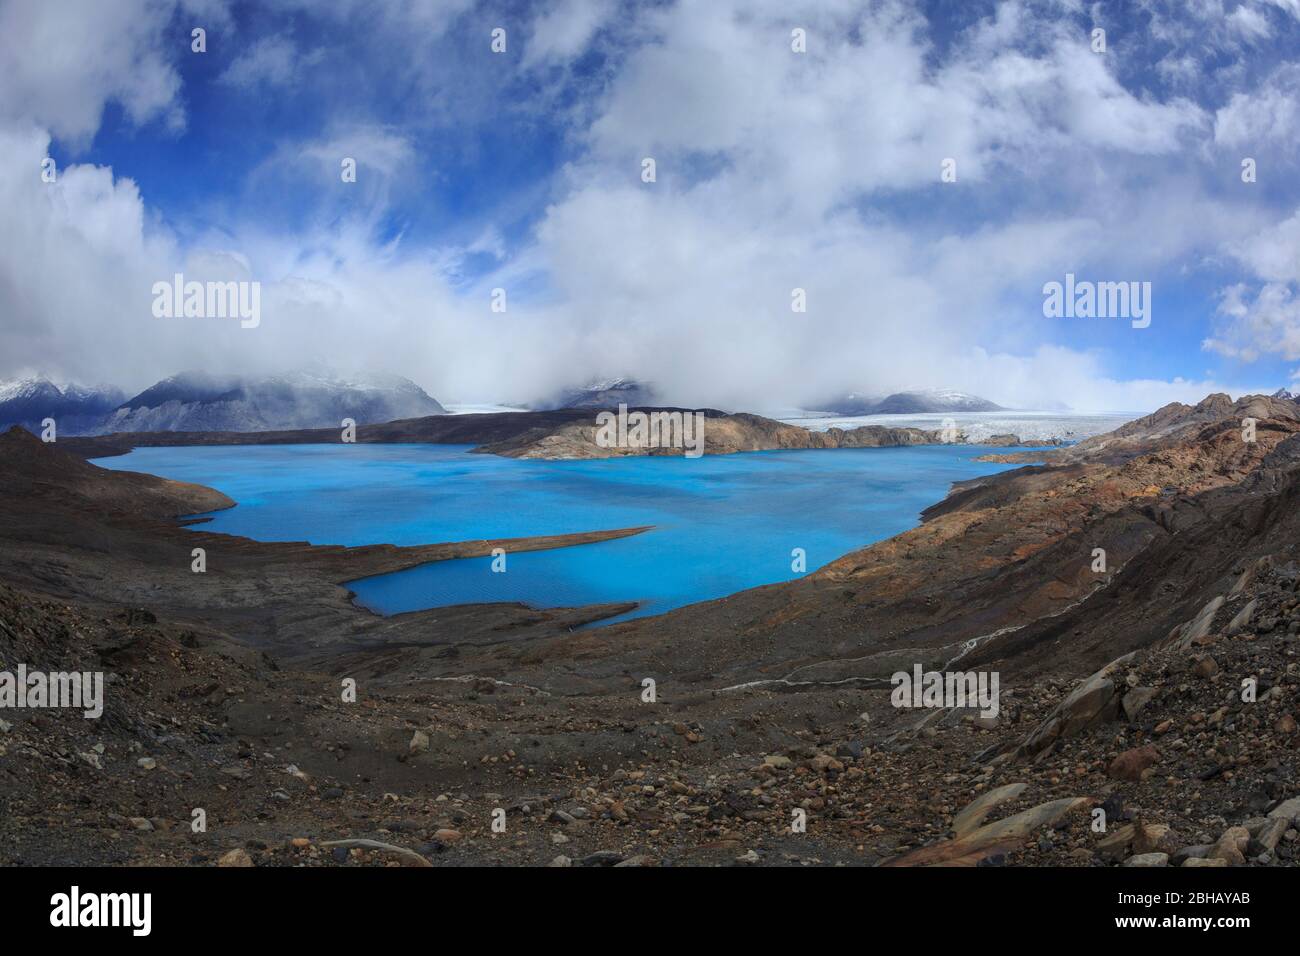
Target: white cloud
{"points": [[564, 29], [1267, 323], [865, 112], [1269, 116], [270, 61], [1249, 23], [1290, 6], [63, 62], [76, 263]]}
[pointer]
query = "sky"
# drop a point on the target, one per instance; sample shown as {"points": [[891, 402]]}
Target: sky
{"points": [[522, 169]]}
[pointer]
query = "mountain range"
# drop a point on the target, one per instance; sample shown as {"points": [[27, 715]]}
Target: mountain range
{"points": [[76, 409], [200, 401], [322, 398], [916, 401], [612, 392]]}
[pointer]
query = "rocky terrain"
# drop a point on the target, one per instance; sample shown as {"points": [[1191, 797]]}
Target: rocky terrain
{"points": [[1170, 425], [1156, 683]]}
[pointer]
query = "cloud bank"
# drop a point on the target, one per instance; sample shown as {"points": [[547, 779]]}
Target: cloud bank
{"points": [[776, 170]]}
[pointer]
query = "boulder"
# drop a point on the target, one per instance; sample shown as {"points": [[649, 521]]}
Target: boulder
{"points": [[1182, 636], [1196, 852], [1242, 618], [992, 838], [1231, 846], [1094, 701], [975, 813], [1287, 810], [1271, 832], [236, 857], [1154, 838], [1136, 700], [1206, 667], [1131, 763], [1114, 846]]}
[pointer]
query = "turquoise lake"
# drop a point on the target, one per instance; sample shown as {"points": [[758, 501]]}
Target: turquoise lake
{"points": [[722, 523]]}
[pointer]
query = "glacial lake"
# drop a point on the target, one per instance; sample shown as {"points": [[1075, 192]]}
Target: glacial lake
{"points": [[722, 523]]}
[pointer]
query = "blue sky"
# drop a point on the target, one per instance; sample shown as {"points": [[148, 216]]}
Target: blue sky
{"points": [[776, 170]]}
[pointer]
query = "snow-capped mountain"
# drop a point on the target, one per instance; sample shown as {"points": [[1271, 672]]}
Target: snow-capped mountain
{"points": [[910, 403], [1286, 396], [199, 401], [934, 400], [853, 404], [603, 394], [75, 408]]}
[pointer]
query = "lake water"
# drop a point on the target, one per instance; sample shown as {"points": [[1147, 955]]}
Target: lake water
{"points": [[722, 523]]}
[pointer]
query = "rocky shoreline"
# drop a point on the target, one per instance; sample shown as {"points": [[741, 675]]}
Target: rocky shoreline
{"points": [[1121, 688], [569, 433]]}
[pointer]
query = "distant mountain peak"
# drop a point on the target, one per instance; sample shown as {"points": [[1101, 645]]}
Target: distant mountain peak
{"points": [[29, 401], [310, 397], [910, 402], [603, 393]]}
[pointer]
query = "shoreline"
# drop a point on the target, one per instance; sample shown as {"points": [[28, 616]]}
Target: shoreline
{"points": [[556, 435]]}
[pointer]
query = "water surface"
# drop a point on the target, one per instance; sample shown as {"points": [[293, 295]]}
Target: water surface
{"points": [[722, 523]]}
